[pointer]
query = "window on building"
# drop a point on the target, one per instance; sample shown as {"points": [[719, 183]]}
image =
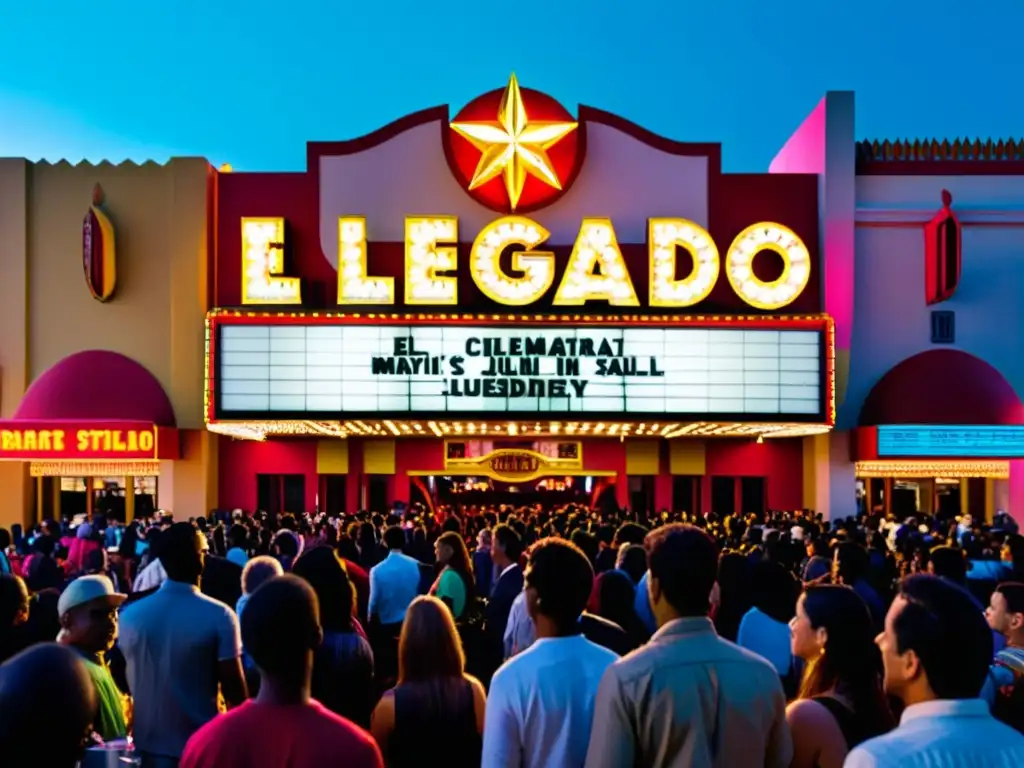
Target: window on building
{"points": [[752, 494], [943, 327], [377, 494], [686, 493], [276, 494], [641, 494], [332, 494], [723, 495]]}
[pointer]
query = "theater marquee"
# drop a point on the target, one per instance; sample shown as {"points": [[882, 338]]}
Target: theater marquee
{"points": [[328, 368]]}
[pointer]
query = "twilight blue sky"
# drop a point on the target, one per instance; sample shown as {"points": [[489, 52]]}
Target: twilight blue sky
{"points": [[250, 81]]}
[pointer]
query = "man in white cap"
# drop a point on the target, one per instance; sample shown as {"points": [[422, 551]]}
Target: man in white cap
{"points": [[88, 620]]}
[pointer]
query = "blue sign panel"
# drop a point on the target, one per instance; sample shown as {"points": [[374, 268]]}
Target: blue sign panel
{"points": [[956, 442]]}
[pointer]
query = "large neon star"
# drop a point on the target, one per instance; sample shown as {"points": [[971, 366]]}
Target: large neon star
{"points": [[514, 146]]}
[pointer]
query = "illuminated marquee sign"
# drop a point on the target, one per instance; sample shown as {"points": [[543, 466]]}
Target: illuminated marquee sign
{"points": [[116, 440], [975, 442], [514, 465], [329, 369], [596, 270]]}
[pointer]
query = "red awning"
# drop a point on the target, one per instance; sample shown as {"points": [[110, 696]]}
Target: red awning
{"points": [[942, 386], [92, 406], [97, 385]]}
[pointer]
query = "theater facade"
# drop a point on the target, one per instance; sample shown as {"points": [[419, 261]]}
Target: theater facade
{"points": [[514, 301], [518, 303]]}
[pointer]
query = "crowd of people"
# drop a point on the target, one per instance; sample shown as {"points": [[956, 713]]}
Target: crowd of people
{"points": [[526, 636]]}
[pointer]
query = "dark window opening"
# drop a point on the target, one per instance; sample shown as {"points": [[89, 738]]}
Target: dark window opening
{"points": [[686, 493], [276, 494], [333, 490], [752, 495], [377, 494], [943, 327], [641, 494], [723, 495]]}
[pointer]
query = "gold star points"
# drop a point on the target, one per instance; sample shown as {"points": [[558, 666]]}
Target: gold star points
{"points": [[513, 146]]}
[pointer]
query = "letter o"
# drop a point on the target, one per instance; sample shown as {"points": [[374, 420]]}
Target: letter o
{"points": [[796, 265]]}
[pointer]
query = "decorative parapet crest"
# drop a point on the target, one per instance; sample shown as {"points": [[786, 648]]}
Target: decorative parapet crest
{"points": [[976, 156]]}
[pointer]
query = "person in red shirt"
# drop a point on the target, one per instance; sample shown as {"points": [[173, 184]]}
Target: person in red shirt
{"points": [[283, 727]]}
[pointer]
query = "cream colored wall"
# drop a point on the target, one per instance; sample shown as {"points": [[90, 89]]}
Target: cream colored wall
{"points": [[15, 487], [188, 486], [156, 316]]}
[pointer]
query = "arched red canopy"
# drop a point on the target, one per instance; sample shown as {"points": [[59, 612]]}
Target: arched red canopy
{"points": [[942, 386]]}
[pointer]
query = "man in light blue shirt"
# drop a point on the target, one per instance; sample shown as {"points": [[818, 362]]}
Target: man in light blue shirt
{"points": [[936, 648], [541, 703], [394, 582]]}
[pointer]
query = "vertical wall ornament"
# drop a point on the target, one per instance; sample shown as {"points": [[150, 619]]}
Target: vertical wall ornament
{"points": [[98, 254], [942, 253]]}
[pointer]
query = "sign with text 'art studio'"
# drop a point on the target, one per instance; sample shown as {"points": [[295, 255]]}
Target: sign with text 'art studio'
{"points": [[281, 366]]}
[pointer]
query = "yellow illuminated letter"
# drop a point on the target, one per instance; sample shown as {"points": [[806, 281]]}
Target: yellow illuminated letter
{"points": [[538, 267], [425, 259], [596, 269], [664, 237], [354, 285], [796, 265], [263, 264]]}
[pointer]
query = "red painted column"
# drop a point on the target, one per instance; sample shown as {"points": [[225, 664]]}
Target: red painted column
{"points": [[354, 483], [663, 482]]}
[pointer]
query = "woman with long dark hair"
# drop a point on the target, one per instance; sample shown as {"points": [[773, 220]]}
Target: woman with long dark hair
{"points": [[343, 664], [455, 585], [841, 702], [435, 714]]}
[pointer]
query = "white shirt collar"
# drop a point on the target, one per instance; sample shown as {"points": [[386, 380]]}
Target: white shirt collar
{"points": [[945, 708], [507, 569]]}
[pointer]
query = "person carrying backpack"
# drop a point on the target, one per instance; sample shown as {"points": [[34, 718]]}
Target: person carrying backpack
{"points": [[1004, 686]]}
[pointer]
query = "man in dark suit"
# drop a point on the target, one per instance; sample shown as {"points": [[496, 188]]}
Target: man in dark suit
{"points": [[505, 551]]}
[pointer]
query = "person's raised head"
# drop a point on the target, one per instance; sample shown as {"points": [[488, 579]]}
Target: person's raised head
{"points": [[14, 604], [682, 563], [87, 610], [949, 563], [558, 583], [322, 569], [281, 630], [632, 559], [394, 538], [238, 536], [259, 570], [48, 701], [429, 646], [506, 545], [850, 562], [181, 552], [936, 643], [1005, 612], [630, 533]]}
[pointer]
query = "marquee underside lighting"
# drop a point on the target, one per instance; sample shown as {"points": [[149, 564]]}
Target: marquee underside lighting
{"points": [[102, 468], [262, 430], [999, 470]]}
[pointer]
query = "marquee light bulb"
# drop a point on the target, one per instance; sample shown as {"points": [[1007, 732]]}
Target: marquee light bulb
{"points": [[664, 237], [263, 264], [354, 285], [426, 258], [796, 265], [538, 267], [596, 269]]}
